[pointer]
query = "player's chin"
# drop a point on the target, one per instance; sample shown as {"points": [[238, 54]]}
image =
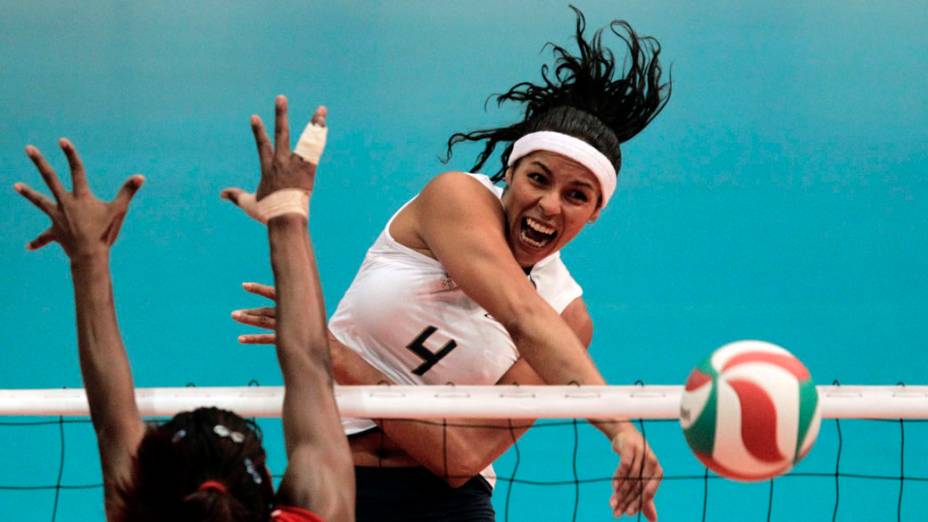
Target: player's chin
{"points": [[529, 258], [529, 253]]}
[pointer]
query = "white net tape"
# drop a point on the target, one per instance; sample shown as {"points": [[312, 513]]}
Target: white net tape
{"points": [[501, 402]]}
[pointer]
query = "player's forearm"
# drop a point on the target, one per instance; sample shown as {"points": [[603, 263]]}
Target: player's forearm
{"points": [[104, 364], [302, 338], [552, 348], [458, 450], [105, 370], [556, 354], [301, 330]]}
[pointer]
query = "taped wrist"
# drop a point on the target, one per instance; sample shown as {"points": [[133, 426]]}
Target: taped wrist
{"points": [[281, 202]]}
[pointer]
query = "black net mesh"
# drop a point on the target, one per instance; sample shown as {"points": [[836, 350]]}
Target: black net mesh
{"points": [[561, 466]]}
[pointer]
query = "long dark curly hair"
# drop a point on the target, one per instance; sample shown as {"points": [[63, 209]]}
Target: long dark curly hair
{"points": [[176, 458], [579, 96]]}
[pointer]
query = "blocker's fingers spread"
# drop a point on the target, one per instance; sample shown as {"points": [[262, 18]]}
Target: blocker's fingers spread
{"points": [[78, 176], [128, 190], [281, 127], [265, 151], [259, 289], [37, 199], [47, 172], [41, 240], [257, 339]]}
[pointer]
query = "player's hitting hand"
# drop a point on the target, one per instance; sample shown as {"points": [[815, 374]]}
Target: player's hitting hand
{"points": [[637, 477]]}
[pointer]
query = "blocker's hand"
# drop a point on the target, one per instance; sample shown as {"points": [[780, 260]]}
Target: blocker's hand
{"points": [[636, 479], [280, 167], [264, 317], [81, 223]]}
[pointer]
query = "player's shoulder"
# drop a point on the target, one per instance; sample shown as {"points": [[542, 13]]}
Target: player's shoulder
{"points": [[449, 188], [455, 181]]}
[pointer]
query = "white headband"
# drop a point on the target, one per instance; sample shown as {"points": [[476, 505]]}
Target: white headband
{"points": [[573, 148]]}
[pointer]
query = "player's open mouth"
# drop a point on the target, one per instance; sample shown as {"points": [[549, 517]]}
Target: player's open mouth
{"points": [[535, 233]]}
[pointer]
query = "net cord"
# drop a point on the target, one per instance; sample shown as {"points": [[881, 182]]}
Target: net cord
{"points": [[449, 402]]}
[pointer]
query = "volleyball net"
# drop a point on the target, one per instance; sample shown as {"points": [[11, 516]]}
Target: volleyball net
{"points": [[870, 461]]}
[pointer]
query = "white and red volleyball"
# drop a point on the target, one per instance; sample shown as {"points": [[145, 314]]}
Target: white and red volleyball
{"points": [[750, 411]]}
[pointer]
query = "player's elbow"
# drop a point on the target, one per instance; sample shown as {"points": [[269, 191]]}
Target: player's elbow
{"points": [[321, 481], [457, 482], [464, 465], [462, 473]]}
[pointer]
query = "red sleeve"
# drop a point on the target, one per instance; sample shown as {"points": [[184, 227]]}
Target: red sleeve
{"points": [[293, 514]]}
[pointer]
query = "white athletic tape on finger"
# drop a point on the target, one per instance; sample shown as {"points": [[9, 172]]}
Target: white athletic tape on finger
{"points": [[311, 143], [286, 201]]}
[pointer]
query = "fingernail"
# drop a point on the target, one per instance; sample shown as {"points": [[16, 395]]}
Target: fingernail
{"points": [[236, 314], [241, 338]]}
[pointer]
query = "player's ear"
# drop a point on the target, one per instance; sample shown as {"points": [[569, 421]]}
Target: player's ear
{"points": [[507, 177]]}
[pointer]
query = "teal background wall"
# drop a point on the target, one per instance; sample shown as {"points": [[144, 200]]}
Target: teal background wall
{"points": [[780, 196]]}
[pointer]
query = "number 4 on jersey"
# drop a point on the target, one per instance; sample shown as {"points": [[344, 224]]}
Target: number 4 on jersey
{"points": [[429, 358]]}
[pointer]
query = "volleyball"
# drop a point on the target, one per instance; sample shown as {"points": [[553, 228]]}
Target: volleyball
{"points": [[750, 411]]}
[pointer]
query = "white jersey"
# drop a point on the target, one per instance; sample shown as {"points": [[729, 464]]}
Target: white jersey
{"points": [[407, 318]]}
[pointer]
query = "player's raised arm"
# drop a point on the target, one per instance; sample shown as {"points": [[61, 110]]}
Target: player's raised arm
{"points": [[86, 228], [320, 474]]}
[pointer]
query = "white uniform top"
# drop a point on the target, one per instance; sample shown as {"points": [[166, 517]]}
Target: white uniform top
{"points": [[407, 318]]}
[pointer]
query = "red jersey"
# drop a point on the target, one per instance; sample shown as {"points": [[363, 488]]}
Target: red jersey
{"points": [[293, 514]]}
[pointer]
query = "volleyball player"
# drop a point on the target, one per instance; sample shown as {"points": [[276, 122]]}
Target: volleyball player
{"points": [[207, 464], [465, 284]]}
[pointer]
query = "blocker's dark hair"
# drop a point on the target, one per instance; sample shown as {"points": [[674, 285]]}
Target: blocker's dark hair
{"points": [[177, 457], [580, 97]]}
